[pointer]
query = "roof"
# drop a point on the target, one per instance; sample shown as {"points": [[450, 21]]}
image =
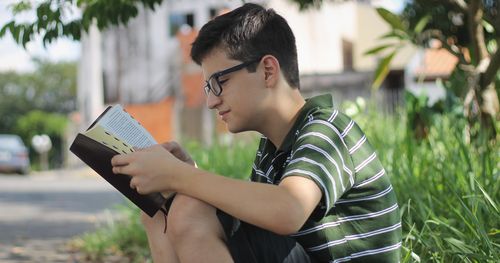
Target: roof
{"points": [[436, 63]]}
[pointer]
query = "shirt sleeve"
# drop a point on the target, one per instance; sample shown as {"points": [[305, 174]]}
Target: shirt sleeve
{"points": [[321, 155], [256, 176]]}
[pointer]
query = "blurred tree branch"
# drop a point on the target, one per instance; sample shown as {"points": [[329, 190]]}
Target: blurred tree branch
{"points": [[53, 19], [461, 4]]}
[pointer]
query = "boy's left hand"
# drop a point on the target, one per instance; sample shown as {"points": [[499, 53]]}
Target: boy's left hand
{"points": [[149, 168]]}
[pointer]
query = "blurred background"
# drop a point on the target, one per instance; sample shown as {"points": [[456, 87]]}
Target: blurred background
{"points": [[421, 77]]}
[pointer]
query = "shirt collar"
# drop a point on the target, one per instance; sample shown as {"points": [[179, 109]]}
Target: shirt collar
{"points": [[314, 103]]}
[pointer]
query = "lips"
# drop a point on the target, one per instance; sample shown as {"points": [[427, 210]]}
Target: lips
{"points": [[222, 114]]}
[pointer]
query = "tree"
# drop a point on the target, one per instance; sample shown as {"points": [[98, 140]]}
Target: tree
{"points": [[37, 102], [50, 88], [53, 17], [467, 29], [38, 122]]}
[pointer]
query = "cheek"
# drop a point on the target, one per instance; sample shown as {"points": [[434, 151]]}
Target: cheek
{"points": [[245, 95]]}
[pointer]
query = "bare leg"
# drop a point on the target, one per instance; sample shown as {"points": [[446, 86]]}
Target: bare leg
{"points": [[195, 232], [159, 244]]}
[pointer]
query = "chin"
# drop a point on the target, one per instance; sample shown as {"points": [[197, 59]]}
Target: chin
{"points": [[233, 128]]}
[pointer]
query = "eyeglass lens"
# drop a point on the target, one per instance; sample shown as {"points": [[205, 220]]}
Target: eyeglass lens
{"points": [[214, 85]]}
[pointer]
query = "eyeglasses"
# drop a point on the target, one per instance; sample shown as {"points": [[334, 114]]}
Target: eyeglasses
{"points": [[214, 84]]}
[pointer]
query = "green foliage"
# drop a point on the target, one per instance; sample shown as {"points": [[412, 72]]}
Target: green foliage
{"points": [[453, 215], [27, 101], [420, 115], [392, 19], [51, 87], [39, 122], [53, 20], [232, 160], [401, 34], [450, 18], [383, 69], [122, 238], [448, 190], [472, 41]]}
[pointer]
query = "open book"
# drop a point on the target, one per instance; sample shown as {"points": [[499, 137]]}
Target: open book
{"points": [[116, 132]]}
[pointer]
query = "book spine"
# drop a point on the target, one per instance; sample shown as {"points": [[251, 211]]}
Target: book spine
{"points": [[98, 157]]}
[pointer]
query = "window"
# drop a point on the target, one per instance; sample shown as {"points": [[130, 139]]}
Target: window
{"points": [[178, 20], [347, 55]]}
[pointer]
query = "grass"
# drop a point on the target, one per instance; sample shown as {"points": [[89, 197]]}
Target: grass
{"points": [[448, 191], [119, 240]]}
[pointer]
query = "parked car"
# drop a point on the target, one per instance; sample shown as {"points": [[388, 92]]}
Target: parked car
{"points": [[14, 155]]}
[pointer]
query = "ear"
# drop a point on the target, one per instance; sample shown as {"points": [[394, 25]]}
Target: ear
{"points": [[271, 70]]}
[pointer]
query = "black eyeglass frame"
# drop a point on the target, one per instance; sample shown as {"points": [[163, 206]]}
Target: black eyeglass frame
{"points": [[221, 73]]}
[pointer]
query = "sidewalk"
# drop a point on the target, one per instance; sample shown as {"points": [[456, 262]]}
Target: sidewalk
{"points": [[41, 212], [39, 251]]}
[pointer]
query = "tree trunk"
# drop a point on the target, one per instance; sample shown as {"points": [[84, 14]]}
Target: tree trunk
{"points": [[481, 103]]}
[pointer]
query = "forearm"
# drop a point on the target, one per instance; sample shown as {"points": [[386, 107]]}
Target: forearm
{"points": [[268, 206]]}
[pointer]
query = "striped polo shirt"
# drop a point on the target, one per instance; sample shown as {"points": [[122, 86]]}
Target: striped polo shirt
{"points": [[357, 219]]}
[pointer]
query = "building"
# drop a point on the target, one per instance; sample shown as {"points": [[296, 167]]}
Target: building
{"points": [[331, 44], [426, 69], [145, 65]]}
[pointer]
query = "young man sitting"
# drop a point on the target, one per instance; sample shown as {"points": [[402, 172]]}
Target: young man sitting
{"points": [[318, 192]]}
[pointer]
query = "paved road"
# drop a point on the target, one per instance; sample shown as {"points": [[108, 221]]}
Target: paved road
{"points": [[40, 212]]}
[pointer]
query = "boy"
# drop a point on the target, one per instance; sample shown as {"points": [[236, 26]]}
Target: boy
{"points": [[318, 192]]}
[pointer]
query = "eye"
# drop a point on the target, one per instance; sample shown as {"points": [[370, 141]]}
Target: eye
{"points": [[222, 81]]}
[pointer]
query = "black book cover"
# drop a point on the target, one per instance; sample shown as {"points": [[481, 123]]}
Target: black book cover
{"points": [[98, 157]]}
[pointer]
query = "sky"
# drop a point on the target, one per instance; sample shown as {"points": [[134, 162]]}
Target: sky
{"points": [[392, 5], [15, 58]]}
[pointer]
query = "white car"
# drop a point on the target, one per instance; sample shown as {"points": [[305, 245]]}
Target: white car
{"points": [[14, 155]]}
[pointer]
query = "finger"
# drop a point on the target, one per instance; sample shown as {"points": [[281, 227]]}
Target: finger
{"points": [[135, 185], [169, 146], [176, 149], [118, 169], [121, 159], [140, 191], [172, 146], [125, 169], [132, 184], [138, 149]]}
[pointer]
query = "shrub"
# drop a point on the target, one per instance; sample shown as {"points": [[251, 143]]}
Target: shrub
{"points": [[447, 189]]}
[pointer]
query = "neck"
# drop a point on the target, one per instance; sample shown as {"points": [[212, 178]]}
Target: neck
{"points": [[282, 116]]}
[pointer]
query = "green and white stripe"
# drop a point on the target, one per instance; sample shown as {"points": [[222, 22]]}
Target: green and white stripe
{"points": [[358, 216]]}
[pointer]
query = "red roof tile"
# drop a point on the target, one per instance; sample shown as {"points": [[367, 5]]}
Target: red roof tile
{"points": [[437, 63]]}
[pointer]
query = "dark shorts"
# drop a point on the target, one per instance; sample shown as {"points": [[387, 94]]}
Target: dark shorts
{"points": [[250, 244]]}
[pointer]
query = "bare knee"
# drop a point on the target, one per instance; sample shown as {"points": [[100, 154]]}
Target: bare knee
{"points": [[153, 224], [145, 219], [190, 218]]}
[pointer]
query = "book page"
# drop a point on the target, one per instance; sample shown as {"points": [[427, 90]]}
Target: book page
{"points": [[98, 134], [118, 122]]}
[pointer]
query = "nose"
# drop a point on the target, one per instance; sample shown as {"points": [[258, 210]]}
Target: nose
{"points": [[213, 101]]}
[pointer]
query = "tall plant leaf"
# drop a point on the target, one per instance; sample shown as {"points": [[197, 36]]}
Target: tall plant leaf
{"points": [[382, 70], [422, 23], [391, 18], [377, 49]]}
